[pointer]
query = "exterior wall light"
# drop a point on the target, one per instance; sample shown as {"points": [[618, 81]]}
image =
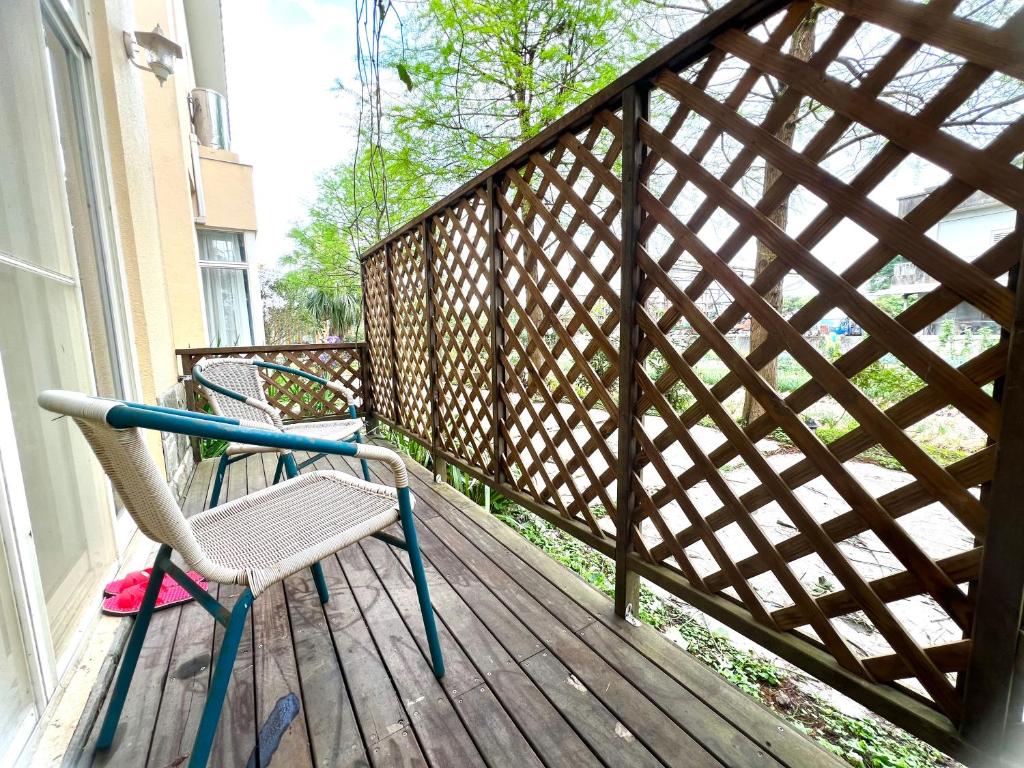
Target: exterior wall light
{"points": [[160, 52]]}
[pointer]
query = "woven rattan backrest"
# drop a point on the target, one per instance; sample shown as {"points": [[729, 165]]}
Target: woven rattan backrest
{"points": [[242, 376], [135, 476]]}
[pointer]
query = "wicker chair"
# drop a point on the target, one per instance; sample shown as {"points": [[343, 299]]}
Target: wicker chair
{"points": [[255, 541], [234, 388]]}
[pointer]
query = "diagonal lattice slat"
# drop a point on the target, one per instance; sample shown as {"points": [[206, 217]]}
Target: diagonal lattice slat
{"points": [[771, 166]]}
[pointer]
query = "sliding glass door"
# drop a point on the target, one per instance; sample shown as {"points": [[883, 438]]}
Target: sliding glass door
{"points": [[60, 327]]}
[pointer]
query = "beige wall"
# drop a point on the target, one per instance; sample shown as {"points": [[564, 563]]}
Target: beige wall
{"points": [[228, 191], [135, 202], [171, 160], [147, 132]]}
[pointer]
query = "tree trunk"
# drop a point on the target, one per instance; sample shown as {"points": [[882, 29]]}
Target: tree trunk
{"points": [[802, 48]]}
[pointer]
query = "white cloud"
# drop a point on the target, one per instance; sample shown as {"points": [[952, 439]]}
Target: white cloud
{"points": [[283, 58]]}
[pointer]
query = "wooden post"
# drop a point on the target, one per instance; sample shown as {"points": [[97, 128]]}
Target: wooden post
{"points": [[497, 332], [439, 468], [365, 374], [991, 687], [190, 401], [388, 270], [635, 103]]}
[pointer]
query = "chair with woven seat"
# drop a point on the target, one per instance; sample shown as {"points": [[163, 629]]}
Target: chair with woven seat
{"points": [[255, 541], [234, 388]]}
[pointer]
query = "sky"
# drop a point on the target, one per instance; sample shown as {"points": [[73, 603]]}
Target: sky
{"points": [[283, 58]]}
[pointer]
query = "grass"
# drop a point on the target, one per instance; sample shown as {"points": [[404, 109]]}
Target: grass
{"points": [[862, 742]]}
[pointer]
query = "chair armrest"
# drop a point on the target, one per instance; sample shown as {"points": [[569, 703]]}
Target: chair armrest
{"points": [[126, 415]]}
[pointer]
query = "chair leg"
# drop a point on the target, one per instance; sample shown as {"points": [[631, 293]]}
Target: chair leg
{"points": [[362, 462], [222, 467], [219, 683], [279, 470], [291, 469], [420, 577], [320, 581], [131, 653]]}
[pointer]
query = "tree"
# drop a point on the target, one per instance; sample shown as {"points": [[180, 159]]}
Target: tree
{"points": [[802, 46], [490, 75]]}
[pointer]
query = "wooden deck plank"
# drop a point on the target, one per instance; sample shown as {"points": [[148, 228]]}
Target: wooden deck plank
{"points": [[378, 708], [188, 675], [280, 716], [588, 714], [441, 734], [235, 740], [460, 674], [333, 731], [540, 671], [138, 722], [662, 736], [487, 645], [602, 731], [501, 742], [766, 733]]}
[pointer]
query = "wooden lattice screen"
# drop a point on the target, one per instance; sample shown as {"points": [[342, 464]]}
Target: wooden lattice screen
{"points": [[608, 263]]}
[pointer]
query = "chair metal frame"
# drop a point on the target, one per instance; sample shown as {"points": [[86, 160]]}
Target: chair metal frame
{"points": [[263, 405], [128, 415]]}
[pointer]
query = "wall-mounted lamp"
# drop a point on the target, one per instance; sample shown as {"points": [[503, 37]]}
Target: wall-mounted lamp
{"points": [[160, 52]]}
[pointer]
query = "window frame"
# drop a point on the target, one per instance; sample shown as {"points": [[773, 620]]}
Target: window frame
{"points": [[246, 265]]}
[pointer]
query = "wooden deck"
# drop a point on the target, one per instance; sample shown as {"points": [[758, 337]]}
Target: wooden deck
{"points": [[540, 670]]}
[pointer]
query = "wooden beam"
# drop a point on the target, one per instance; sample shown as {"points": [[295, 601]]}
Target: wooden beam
{"points": [[432, 362], [389, 273], [990, 685], [497, 331], [635, 107]]}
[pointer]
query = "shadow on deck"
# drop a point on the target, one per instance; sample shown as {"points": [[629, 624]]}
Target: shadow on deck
{"points": [[540, 670]]}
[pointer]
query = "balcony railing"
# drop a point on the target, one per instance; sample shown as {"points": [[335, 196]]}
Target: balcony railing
{"points": [[298, 399], [509, 331]]}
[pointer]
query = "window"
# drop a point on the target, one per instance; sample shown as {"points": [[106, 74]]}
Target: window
{"points": [[226, 288]]}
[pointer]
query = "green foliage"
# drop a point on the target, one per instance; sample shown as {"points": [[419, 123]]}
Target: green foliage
{"points": [[486, 76], [678, 396], [887, 385]]}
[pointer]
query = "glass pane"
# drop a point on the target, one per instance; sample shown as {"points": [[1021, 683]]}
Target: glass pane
{"points": [[42, 347], [26, 149], [16, 702], [226, 292], [99, 319], [220, 246]]}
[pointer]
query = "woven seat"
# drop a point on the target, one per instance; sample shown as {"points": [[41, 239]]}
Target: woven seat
{"points": [[271, 534], [321, 430]]}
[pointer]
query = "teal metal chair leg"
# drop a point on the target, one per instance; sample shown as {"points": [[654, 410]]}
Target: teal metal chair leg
{"points": [[278, 470], [320, 581], [362, 462], [219, 683], [222, 467], [420, 577], [291, 469], [131, 653]]}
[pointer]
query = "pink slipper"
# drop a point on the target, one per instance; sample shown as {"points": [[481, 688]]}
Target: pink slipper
{"points": [[129, 601], [142, 578]]}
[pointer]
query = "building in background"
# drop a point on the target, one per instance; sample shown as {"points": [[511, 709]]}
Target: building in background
{"points": [[968, 230], [127, 229]]}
